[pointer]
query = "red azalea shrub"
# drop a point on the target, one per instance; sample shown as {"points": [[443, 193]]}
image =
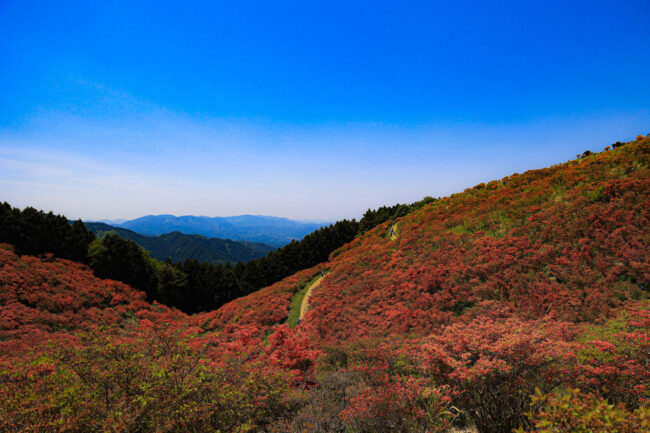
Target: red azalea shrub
{"points": [[43, 299], [374, 386], [615, 358], [494, 365], [293, 352], [393, 403]]}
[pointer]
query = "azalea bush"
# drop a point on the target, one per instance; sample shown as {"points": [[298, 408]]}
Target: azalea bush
{"points": [[493, 366], [615, 357], [373, 386], [392, 403]]}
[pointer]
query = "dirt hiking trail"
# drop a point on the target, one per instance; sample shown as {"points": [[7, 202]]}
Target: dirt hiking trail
{"points": [[305, 300]]}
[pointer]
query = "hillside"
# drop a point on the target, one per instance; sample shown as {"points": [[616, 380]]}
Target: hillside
{"points": [[571, 239], [180, 247], [538, 281], [268, 230], [81, 354], [44, 297], [453, 314]]}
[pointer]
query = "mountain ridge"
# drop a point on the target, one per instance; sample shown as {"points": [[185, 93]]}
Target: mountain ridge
{"points": [[180, 246], [270, 230]]}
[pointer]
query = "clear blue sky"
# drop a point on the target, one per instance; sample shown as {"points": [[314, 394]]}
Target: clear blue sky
{"points": [[310, 110]]}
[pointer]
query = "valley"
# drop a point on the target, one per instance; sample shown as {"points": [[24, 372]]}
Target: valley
{"points": [[494, 309]]}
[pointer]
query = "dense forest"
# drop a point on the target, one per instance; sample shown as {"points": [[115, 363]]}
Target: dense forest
{"points": [[191, 285], [35, 232]]}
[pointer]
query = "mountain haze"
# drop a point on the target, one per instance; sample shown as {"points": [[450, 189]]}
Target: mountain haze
{"points": [[114, 222], [274, 231]]}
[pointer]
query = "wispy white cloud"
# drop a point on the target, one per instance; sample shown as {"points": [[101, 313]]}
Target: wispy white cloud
{"points": [[118, 156]]}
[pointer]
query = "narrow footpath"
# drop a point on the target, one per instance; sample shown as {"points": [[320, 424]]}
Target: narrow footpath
{"points": [[305, 300], [392, 231]]}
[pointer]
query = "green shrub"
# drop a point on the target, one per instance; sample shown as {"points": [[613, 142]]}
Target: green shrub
{"points": [[577, 412]]}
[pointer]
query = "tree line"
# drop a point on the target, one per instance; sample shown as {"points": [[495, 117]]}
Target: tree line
{"points": [[191, 286]]}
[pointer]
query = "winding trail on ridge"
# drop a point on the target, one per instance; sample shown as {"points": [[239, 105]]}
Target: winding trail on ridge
{"points": [[305, 300], [392, 234], [392, 231]]}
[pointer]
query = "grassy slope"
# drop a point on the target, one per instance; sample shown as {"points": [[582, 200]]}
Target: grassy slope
{"points": [[296, 301]]}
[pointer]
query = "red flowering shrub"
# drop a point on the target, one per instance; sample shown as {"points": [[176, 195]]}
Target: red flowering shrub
{"points": [[293, 352], [46, 299], [494, 365], [615, 359], [392, 403]]}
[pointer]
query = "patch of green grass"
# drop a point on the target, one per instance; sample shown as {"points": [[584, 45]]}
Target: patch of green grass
{"points": [[460, 229], [596, 194], [296, 301], [502, 226], [496, 225], [336, 252]]}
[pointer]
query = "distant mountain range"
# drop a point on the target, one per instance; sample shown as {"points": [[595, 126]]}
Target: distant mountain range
{"points": [[274, 231], [179, 246], [115, 222]]}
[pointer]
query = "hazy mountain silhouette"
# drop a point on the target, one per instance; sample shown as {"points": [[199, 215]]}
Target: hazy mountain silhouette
{"points": [[179, 246], [274, 231]]}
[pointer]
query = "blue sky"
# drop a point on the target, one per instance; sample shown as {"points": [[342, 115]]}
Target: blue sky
{"points": [[310, 110]]}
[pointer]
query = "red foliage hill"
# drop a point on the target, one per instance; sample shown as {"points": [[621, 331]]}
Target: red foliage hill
{"points": [[569, 242], [263, 308], [78, 353], [42, 298]]}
